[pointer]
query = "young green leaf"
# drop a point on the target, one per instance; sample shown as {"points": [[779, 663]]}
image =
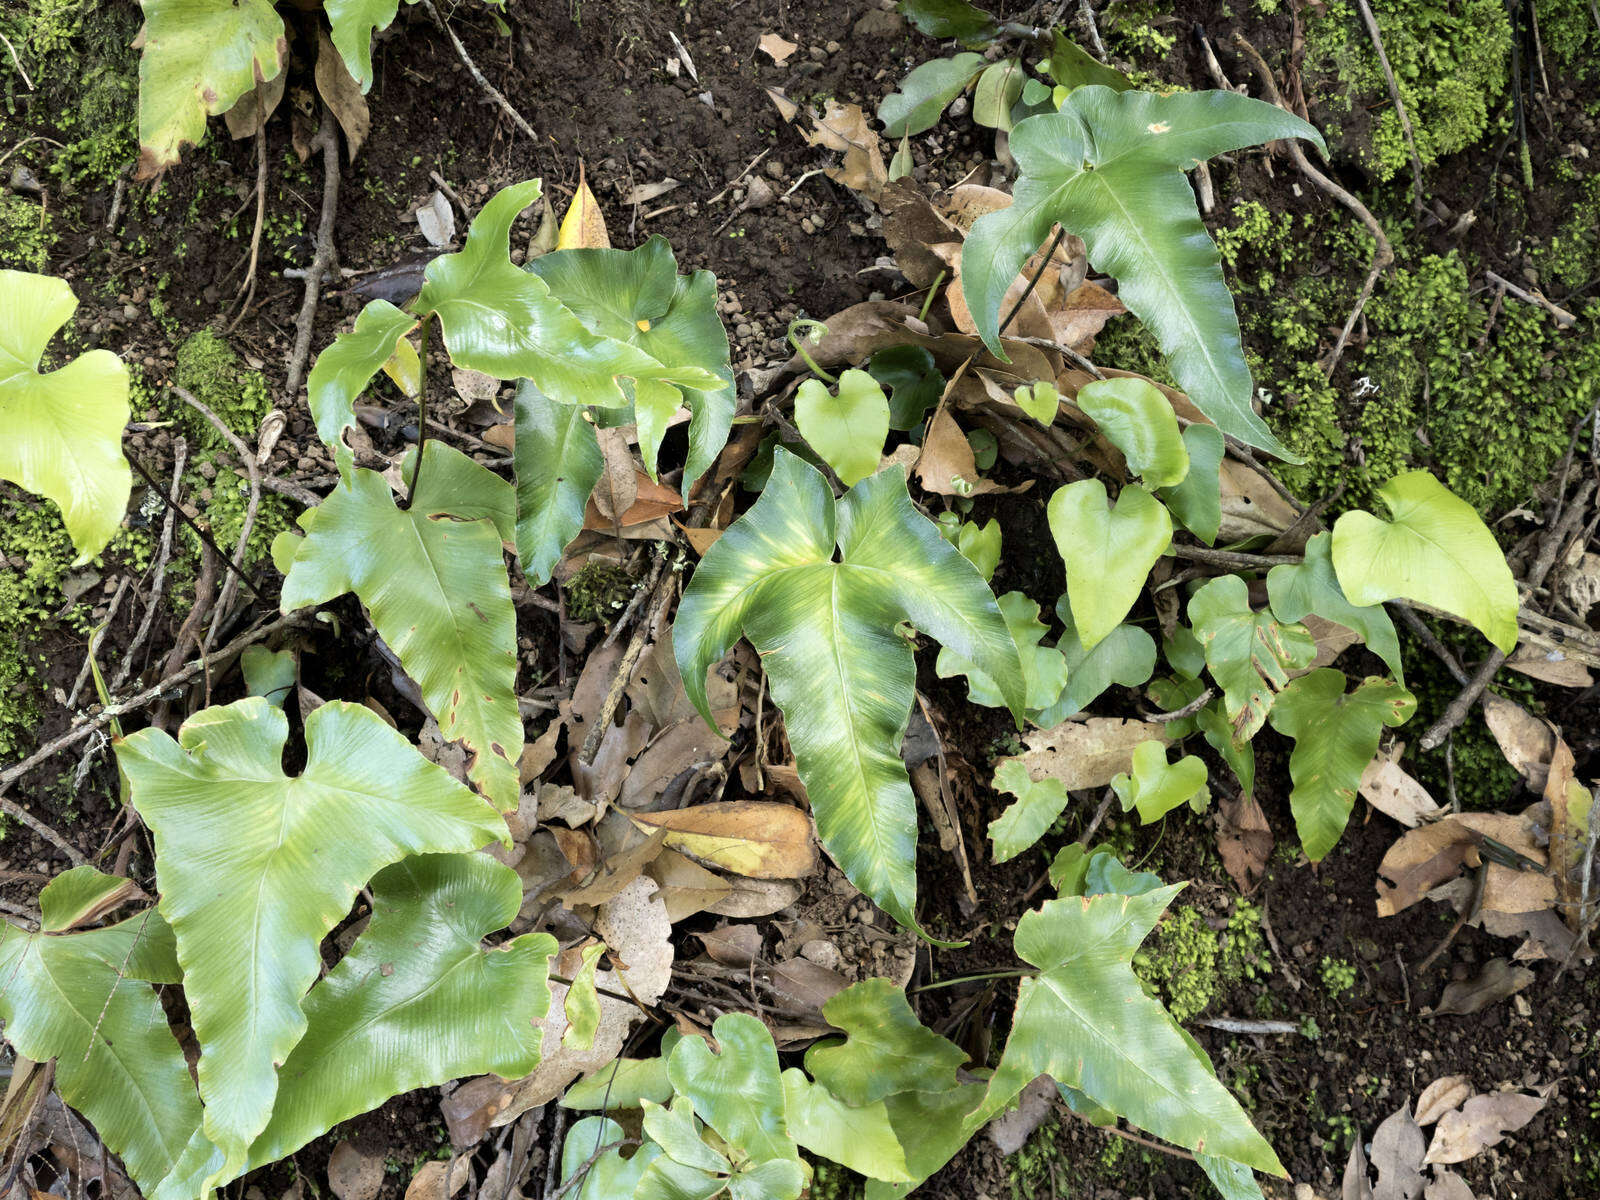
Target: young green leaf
{"points": [[1040, 401], [436, 587], [886, 1050], [344, 369], [80, 998], [1071, 66], [1109, 168], [1044, 670], [1335, 737], [1436, 551], [557, 461], [270, 674], [677, 1132], [1138, 420], [847, 429], [583, 1003], [913, 380], [1126, 656], [859, 1138], [638, 297], [1312, 587], [63, 436], [916, 105], [958, 19], [1250, 654], [353, 23], [610, 1177], [1028, 818], [980, 545], [197, 58], [256, 867], [1086, 1021], [1213, 723], [1197, 501], [1156, 787], [503, 321], [1233, 1180], [417, 1001], [736, 1090], [998, 89], [1108, 550], [843, 678]]}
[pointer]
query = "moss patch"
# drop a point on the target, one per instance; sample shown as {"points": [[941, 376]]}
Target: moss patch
{"points": [[1187, 964], [25, 233]]}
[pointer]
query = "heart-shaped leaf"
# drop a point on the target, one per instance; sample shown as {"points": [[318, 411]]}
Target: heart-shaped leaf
{"points": [[847, 429], [1086, 1021], [63, 436], [844, 679], [1138, 420], [255, 867], [1312, 587], [1109, 168], [1436, 551], [436, 587], [344, 369], [886, 1050], [1028, 818], [79, 998], [1250, 653], [1156, 787], [736, 1089], [1336, 736], [1108, 550]]}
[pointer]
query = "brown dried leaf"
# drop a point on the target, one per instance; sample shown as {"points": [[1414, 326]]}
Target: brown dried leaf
{"points": [[685, 746], [1388, 788], [252, 110], [844, 128], [618, 486], [470, 1110], [801, 984], [1550, 666], [1082, 314], [1570, 813], [1087, 754], [439, 1180], [1357, 1183], [354, 1174], [1526, 741], [946, 466], [1250, 505], [1426, 857], [686, 886], [341, 93], [1480, 1123], [1497, 980], [1244, 840], [1440, 1096], [758, 839], [787, 108], [751, 898], [1447, 1185], [777, 47], [912, 227], [733, 945], [617, 873], [1397, 1149]]}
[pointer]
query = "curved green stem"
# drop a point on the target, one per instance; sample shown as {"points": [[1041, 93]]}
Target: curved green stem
{"points": [[808, 324]]}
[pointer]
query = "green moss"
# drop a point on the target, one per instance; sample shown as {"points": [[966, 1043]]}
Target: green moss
{"points": [[1187, 965], [25, 233], [1338, 976], [599, 592], [209, 370], [830, 1181], [1030, 1166], [1451, 63]]}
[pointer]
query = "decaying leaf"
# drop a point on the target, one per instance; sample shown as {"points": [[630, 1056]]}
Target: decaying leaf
{"points": [[777, 47], [1550, 666], [1440, 1096], [341, 93], [438, 1180], [1481, 1122], [1087, 754], [754, 838], [685, 886], [1426, 857], [1244, 840], [1497, 980], [1397, 1148], [584, 225], [844, 128], [354, 1174], [1388, 788], [1526, 741]]}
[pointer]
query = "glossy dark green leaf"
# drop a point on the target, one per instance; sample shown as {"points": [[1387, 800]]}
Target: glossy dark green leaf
{"points": [[912, 379], [558, 462], [1312, 587], [958, 19], [923, 95], [1071, 66]]}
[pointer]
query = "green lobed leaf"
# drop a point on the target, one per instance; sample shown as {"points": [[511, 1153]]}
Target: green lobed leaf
{"points": [[638, 298], [1138, 420], [611, 1177], [1250, 653], [1197, 501], [583, 1003], [1156, 787], [343, 371], [1335, 737], [197, 58], [270, 674], [353, 23], [843, 678], [84, 1000], [667, 1179], [980, 545], [1028, 818], [858, 1137], [1108, 550], [557, 460], [1085, 1021], [913, 380], [1044, 670], [1436, 551], [916, 105], [503, 321], [736, 1089], [931, 1128], [848, 428], [255, 868], [958, 19], [438, 594], [677, 1132], [1126, 656], [886, 1050], [1039, 400], [1312, 587], [63, 436], [1108, 167]]}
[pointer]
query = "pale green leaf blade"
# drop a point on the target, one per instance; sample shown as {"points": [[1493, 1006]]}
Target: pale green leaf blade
{"points": [[1071, 66], [1138, 420], [1156, 787], [1108, 550], [980, 545], [198, 57], [80, 896], [623, 1083], [1250, 653], [677, 1132], [66, 997], [638, 297], [886, 1050], [1312, 587], [1044, 670], [666, 1179], [1181, 129], [1126, 656], [270, 674], [63, 436], [611, 1177], [353, 23], [417, 1001], [736, 1089], [923, 95], [847, 429], [255, 868], [1436, 551], [1197, 501], [1335, 737], [1086, 1022], [438, 593], [583, 1003], [773, 1179], [558, 462], [998, 89], [1233, 1180], [932, 1128], [344, 369], [1028, 818], [859, 1138]]}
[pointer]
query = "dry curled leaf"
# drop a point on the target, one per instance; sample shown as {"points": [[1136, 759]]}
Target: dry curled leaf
{"points": [[758, 839], [1440, 1096], [685, 886], [1426, 857], [1387, 786], [777, 47], [341, 93], [1244, 840], [1497, 980], [1480, 1123], [1087, 754], [1550, 666], [1526, 741]]}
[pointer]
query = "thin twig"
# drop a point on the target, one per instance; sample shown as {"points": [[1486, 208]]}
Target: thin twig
{"points": [[1188, 710], [180, 456], [205, 538], [1087, 13], [17, 62], [1562, 316], [247, 287], [477, 75], [1236, 560], [1427, 638], [1399, 104], [1236, 1025], [662, 592], [328, 142]]}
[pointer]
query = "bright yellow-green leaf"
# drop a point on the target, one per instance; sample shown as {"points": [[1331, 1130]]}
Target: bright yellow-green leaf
{"points": [[1250, 653], [583, 1002], [677, 1132], [1312, 587], [1125, 656], [1138, 420], [886, 1050], [1156, 787], [1108, 550], [343, 371], [1027, 818], [859, 1138], [980, 545], [847, 429], [1436, 551], [63, 430], [1040, 401], [199, 57]]}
